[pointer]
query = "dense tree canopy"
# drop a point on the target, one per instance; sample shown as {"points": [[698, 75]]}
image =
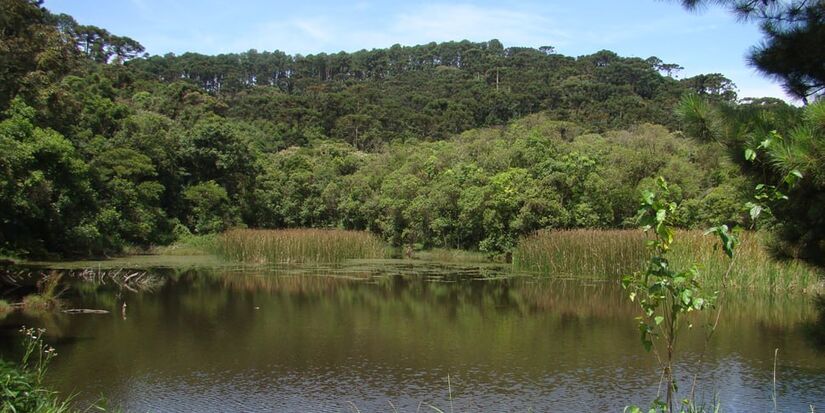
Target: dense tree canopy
{"points": [[455, 144]]}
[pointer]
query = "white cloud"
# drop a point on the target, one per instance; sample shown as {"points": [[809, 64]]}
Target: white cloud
{"points": [[439, 22], [317, 28], [413, 25]]}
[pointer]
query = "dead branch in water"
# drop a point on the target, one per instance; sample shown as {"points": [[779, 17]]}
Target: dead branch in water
{"points": [[133, 281], [84, 311]]}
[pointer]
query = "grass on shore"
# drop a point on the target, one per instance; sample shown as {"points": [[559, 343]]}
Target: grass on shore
{"points": [[187, 245], [613, 253], [297, 245]]}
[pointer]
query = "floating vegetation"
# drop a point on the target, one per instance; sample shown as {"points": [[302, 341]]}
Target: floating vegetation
{"points": [[449, 255], [297, 245]]}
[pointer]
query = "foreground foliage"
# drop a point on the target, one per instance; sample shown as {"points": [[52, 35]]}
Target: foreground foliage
{"points": [[21, 386], [667, 293], [782, 151]]}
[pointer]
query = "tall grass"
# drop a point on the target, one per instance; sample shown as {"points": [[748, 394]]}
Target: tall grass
{"points": [[612, 253], [582, 252], [297, 245], [754, 269]]}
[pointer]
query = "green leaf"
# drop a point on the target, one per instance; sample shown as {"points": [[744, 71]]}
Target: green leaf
{"points": [[686, 296], [792, 177], [658, 319], [661, 215], [648, 197], [750, 154], [755, 211]]}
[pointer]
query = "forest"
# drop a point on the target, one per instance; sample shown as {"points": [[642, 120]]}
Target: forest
{"points": [[263, 231], [458, 144]]}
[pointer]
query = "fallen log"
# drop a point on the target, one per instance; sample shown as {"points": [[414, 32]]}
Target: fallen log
{"points": [[84, 311]]}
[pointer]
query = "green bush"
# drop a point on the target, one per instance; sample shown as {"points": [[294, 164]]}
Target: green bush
{"points": [[20, 391]]}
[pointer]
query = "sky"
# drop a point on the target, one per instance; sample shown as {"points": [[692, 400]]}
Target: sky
{"points": [[707, 41]]}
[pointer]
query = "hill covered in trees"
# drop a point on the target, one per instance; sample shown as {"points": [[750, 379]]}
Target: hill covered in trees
{"points": [[456, 144]]}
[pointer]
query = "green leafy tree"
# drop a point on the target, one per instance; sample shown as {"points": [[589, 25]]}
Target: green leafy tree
{"points": [[32, 50], [210, 209], [45, 189]]}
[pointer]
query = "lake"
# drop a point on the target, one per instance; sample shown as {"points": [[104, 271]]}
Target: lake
{"points": [[407, 336]]}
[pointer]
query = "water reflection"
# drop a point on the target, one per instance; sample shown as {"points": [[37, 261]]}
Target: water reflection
{"points": [[316, 338], [815, 329]]}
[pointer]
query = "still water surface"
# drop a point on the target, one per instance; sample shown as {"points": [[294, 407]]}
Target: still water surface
{"points": [[379, 336]]}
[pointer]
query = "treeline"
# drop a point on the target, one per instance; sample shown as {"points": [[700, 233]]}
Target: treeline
{"points": [[102, 148], [432, 91]]}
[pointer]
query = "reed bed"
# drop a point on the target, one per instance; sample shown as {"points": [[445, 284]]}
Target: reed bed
{"points": [[754, 268], [586, 253], [613, 253], [297, 246]]}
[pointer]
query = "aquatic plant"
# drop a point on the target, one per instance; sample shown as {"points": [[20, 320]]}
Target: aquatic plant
{"points": [[449, 255], [581, 253], [35, 303], [297, 245], [47, 296], [48, 286], [612, 253], [756, 268]]}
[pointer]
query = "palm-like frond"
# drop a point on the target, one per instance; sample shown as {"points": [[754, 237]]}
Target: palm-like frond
{"points": [[699, 118], [803, 147]]}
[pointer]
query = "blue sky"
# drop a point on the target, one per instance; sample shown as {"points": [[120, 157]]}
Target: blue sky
{"points": [[705, 42]]}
